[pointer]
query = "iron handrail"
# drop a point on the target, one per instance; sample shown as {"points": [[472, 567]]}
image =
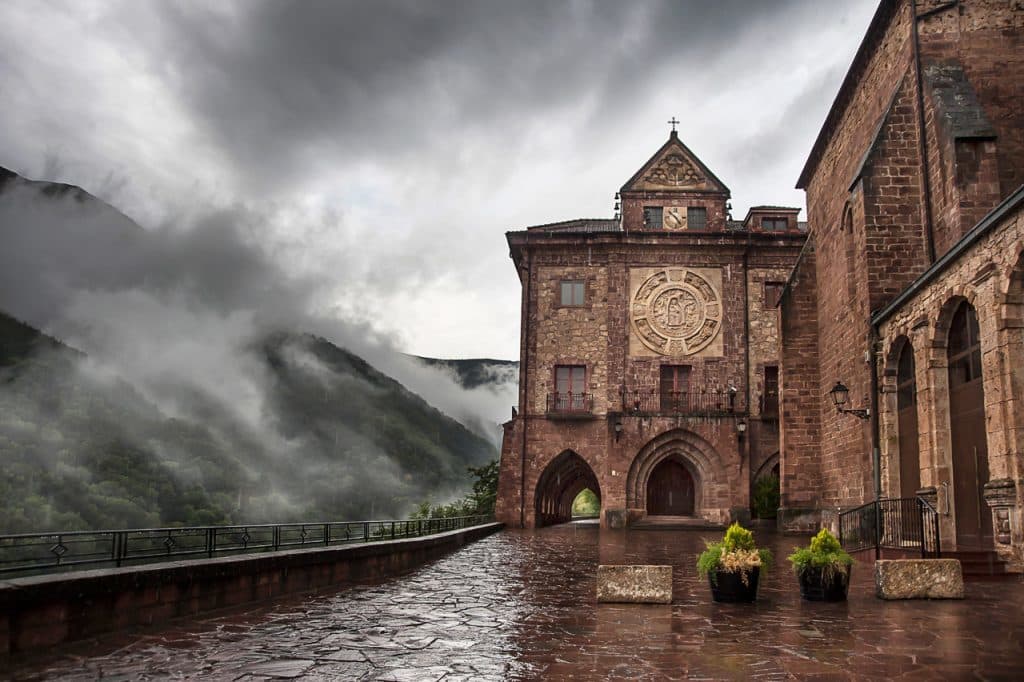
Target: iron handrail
{"points": [[699, 403], [904, 524], [37, 553]]}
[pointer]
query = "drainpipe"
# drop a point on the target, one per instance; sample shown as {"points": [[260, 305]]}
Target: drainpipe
{"points": [[876, 428], [926, 183], [746, 345], [524, 373], [876, 455]]}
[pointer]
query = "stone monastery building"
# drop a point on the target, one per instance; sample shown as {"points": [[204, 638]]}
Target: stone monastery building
{"points": [[672, 356]]}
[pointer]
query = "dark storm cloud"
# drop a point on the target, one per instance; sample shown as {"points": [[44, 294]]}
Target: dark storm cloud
{"points": [[285, 86]]}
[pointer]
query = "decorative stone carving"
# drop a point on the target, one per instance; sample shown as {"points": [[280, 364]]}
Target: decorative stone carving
{"points": [[676, 312], [1000, 494], [674, 170]]}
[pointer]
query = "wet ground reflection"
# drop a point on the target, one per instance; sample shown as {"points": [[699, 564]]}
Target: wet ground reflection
{"points": [[520, 605]]}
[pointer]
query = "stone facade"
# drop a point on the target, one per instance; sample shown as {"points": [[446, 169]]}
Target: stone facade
{"points": [[649, 353], [914, 203]]}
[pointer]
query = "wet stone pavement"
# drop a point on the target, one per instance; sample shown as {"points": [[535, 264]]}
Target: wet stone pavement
{"points": [[521, 605]]}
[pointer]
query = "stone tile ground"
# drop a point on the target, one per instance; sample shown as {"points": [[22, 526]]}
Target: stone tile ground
{"points": [[521, 605]]}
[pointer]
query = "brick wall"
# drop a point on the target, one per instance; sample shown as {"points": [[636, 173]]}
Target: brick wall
{"points": [[800, 406]]}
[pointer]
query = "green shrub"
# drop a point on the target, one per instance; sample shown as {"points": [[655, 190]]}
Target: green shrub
{"points": [[736, 552], [764, 500], [824, 552]]}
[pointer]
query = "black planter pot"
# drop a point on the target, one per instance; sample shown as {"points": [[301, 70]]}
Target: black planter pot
{"points": [[729, 587], [814, 587]]}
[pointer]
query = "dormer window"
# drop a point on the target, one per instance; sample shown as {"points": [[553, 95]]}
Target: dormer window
{"points": [[653, 219], [696, 218], [774, 224]]}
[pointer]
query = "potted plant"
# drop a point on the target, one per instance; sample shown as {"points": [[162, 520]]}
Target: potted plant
{"points": [[732, 565], [823, 568]]}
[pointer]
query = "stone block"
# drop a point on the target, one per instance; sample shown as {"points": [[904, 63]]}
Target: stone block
{"points": [[616, 518], [919, 579], [635, 584]]}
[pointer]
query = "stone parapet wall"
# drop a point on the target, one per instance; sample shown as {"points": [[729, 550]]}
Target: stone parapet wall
{"points": [[49, 610]]}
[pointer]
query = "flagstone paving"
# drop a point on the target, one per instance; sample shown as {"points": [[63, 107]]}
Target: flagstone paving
{"points": [[521, 605]]}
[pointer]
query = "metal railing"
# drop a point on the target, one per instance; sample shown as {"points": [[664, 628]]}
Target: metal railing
{"points": [[699, 403], [34, 553], [908, 524], [570, 403]]}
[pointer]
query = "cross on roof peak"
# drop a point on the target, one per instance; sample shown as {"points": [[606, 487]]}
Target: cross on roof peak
{"points": [[673, 122]]}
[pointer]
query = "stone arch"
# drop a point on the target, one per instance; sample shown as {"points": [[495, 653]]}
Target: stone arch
{"points": [[968, 440], [849, 251], [565, 477], [699, 458], [769, 466], [905, 404], [1011, 332]]}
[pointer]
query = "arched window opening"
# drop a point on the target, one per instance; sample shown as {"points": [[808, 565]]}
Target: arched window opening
{"points": [[850, 254], [906, 411], [968, 441]]}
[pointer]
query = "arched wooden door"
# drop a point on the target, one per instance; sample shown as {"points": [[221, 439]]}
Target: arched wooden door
{"points": [[967, 430], [670, 490], [906, 405]]}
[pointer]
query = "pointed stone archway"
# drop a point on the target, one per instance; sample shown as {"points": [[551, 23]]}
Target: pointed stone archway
{"points": [[677, 473], [565, 477]]}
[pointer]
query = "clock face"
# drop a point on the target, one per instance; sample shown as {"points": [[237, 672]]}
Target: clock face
{"points": [[675, 218], [676, 312]]}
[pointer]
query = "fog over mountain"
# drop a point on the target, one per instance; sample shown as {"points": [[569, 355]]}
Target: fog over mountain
{"points": [[193, 324]]}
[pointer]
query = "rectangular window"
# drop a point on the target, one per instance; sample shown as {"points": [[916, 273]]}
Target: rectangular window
{"points": [[772, 293], [570, 388], [675, 388], [774, 224], [571, 292], [770, 399], [696, 218], [653, 219]]}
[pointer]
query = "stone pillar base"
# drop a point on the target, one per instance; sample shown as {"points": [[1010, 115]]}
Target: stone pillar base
{"points": [[799, 519]]}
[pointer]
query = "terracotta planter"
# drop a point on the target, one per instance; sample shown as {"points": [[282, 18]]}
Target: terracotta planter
{"points": [[813, 586], [729, 587]]}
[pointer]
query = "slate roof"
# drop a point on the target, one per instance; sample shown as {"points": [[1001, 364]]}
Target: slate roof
{"points": [[587, 225]]}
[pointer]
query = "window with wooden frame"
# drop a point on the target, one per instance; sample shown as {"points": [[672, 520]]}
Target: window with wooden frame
{"points": [[570, 388], [675, 387], [772, 293], [653, 218], [572, 292], [964, 351], [696, 218], [774, 224]]}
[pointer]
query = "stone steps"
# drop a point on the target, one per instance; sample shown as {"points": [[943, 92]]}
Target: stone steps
{"points": [[982, 565], [977, 565], [674, 523]]}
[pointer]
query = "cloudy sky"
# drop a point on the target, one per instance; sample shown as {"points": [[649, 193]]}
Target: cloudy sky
{"points": [[382, 149]]}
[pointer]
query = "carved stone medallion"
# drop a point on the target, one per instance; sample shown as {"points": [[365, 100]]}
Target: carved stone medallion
{"points": [[674, 170], [676, 312]]}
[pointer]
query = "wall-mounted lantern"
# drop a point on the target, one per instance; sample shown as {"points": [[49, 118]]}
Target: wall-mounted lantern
{"points": [[741, 429], [840, 395], [618, 430]]}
